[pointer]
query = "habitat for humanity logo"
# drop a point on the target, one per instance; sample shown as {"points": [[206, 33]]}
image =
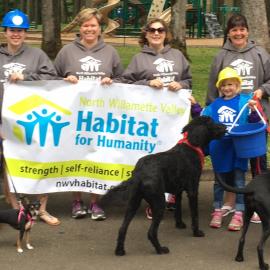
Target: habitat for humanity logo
{"points": [[38, 115]]}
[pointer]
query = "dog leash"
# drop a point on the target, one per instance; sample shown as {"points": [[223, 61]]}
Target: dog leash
{"points": [[19, 199], [17, 195]]}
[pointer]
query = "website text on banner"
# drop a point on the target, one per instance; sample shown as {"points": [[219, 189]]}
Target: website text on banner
{"points": [[85, 137]]}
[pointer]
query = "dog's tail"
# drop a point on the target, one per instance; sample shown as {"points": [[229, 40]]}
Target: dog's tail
{"points": [[245, 190], [118, 193]]}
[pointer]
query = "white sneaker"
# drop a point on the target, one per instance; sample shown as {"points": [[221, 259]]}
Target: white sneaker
{"points": [[255, 218]]}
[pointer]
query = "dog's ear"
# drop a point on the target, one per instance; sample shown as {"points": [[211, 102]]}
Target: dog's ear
{"points": [[197, 121], [198, 136]]}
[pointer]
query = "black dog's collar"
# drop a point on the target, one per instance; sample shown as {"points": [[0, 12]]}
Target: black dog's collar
{"points": [[196, 148]]}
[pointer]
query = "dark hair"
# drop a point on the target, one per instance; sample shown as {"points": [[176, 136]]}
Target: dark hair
{"points": [[236, 20], [142, 39]]}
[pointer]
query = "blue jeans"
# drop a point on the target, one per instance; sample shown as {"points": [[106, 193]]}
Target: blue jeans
{"points": [[234, 178]]}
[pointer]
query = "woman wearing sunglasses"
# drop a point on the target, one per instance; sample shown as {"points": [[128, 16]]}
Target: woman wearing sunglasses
{"points": [[158, 65]]}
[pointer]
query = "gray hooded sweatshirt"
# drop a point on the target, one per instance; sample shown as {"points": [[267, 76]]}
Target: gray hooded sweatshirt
{"points": [[95, 63], [33, 63], [253, 65], [168, 65]]}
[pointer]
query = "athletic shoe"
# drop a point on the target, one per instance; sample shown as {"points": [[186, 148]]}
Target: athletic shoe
{"points": [[96, 212], [226, 210], [255, 218], [170, 203], [237, 222], [78, 210], [216, 220], [148, 212]]}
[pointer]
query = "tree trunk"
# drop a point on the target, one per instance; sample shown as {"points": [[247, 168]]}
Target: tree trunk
{"points": [[255, 12], [29, 10], [267, 4], [77, 7], [51, 39], [178, 25]]}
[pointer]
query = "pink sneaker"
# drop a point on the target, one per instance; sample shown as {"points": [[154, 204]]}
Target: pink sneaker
{"points": [[255, 218], [237, 222], [216, 219]]}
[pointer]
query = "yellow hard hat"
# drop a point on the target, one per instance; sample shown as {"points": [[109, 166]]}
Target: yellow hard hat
{"points": [[227, 73]]}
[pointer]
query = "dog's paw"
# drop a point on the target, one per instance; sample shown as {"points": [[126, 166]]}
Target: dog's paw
{"points": [[239, 258], [265, 266], [180, 225], [164, 250], [198, 233], [29, 246], [120, 252], [19, 250]]}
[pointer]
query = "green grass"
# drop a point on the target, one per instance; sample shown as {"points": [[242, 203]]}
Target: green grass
{"points": [[201, 59]]}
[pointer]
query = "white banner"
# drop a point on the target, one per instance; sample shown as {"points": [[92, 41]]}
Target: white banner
{"points": [[85, 137]]}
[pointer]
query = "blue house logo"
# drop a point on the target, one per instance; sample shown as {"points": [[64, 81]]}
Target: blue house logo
{"points": [[39, 115]]}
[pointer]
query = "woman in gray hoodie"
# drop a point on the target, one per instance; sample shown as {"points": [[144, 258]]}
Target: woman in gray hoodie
{"points": [[20, 62], [158, 65], [252, 63], [88, 57]]}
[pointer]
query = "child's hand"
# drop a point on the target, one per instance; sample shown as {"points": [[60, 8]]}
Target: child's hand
{"points": [[192, 100], [252, 103]]}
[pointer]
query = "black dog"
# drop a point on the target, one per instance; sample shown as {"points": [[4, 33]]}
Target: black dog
{"points": [[257, 198], [173, 171], [22, 220]]}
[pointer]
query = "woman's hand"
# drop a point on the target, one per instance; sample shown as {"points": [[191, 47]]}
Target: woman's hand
{"points": [[106, 80], [71, 79], [156, 83], [14, 77], [174, 86], [258, 93]]}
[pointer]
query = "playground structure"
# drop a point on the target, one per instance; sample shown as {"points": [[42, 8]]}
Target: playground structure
{"points": [[126, 17]]}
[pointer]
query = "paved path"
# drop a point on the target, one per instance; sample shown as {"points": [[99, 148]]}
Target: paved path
{"points": [[86, 244]]}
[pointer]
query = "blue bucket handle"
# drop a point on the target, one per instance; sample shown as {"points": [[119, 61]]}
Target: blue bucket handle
{"points": [[241, 111]]}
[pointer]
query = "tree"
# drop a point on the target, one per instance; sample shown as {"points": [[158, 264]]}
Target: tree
{"points": [[178, 25], [267, 4], [255, 12], [51, 38]]}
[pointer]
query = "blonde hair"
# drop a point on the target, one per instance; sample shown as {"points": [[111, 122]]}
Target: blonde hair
{"points": [[87, 14]]}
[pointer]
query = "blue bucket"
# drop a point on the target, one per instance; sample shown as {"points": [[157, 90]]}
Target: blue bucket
{"points": [[249, 140]]}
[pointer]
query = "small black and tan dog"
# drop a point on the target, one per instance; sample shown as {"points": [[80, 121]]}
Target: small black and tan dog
{"points": [[22, 220], [173, 171], [257, 198]]}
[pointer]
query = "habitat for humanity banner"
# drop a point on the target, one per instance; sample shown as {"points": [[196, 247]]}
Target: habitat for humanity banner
{"points": [[85, 137]]}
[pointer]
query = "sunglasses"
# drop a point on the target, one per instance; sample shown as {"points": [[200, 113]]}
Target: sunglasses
{"points": [[153, 30]]}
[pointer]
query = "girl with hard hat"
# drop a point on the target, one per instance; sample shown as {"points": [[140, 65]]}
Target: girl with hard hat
{"points": [[19, 62], [252, 63], [224, 160]]}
